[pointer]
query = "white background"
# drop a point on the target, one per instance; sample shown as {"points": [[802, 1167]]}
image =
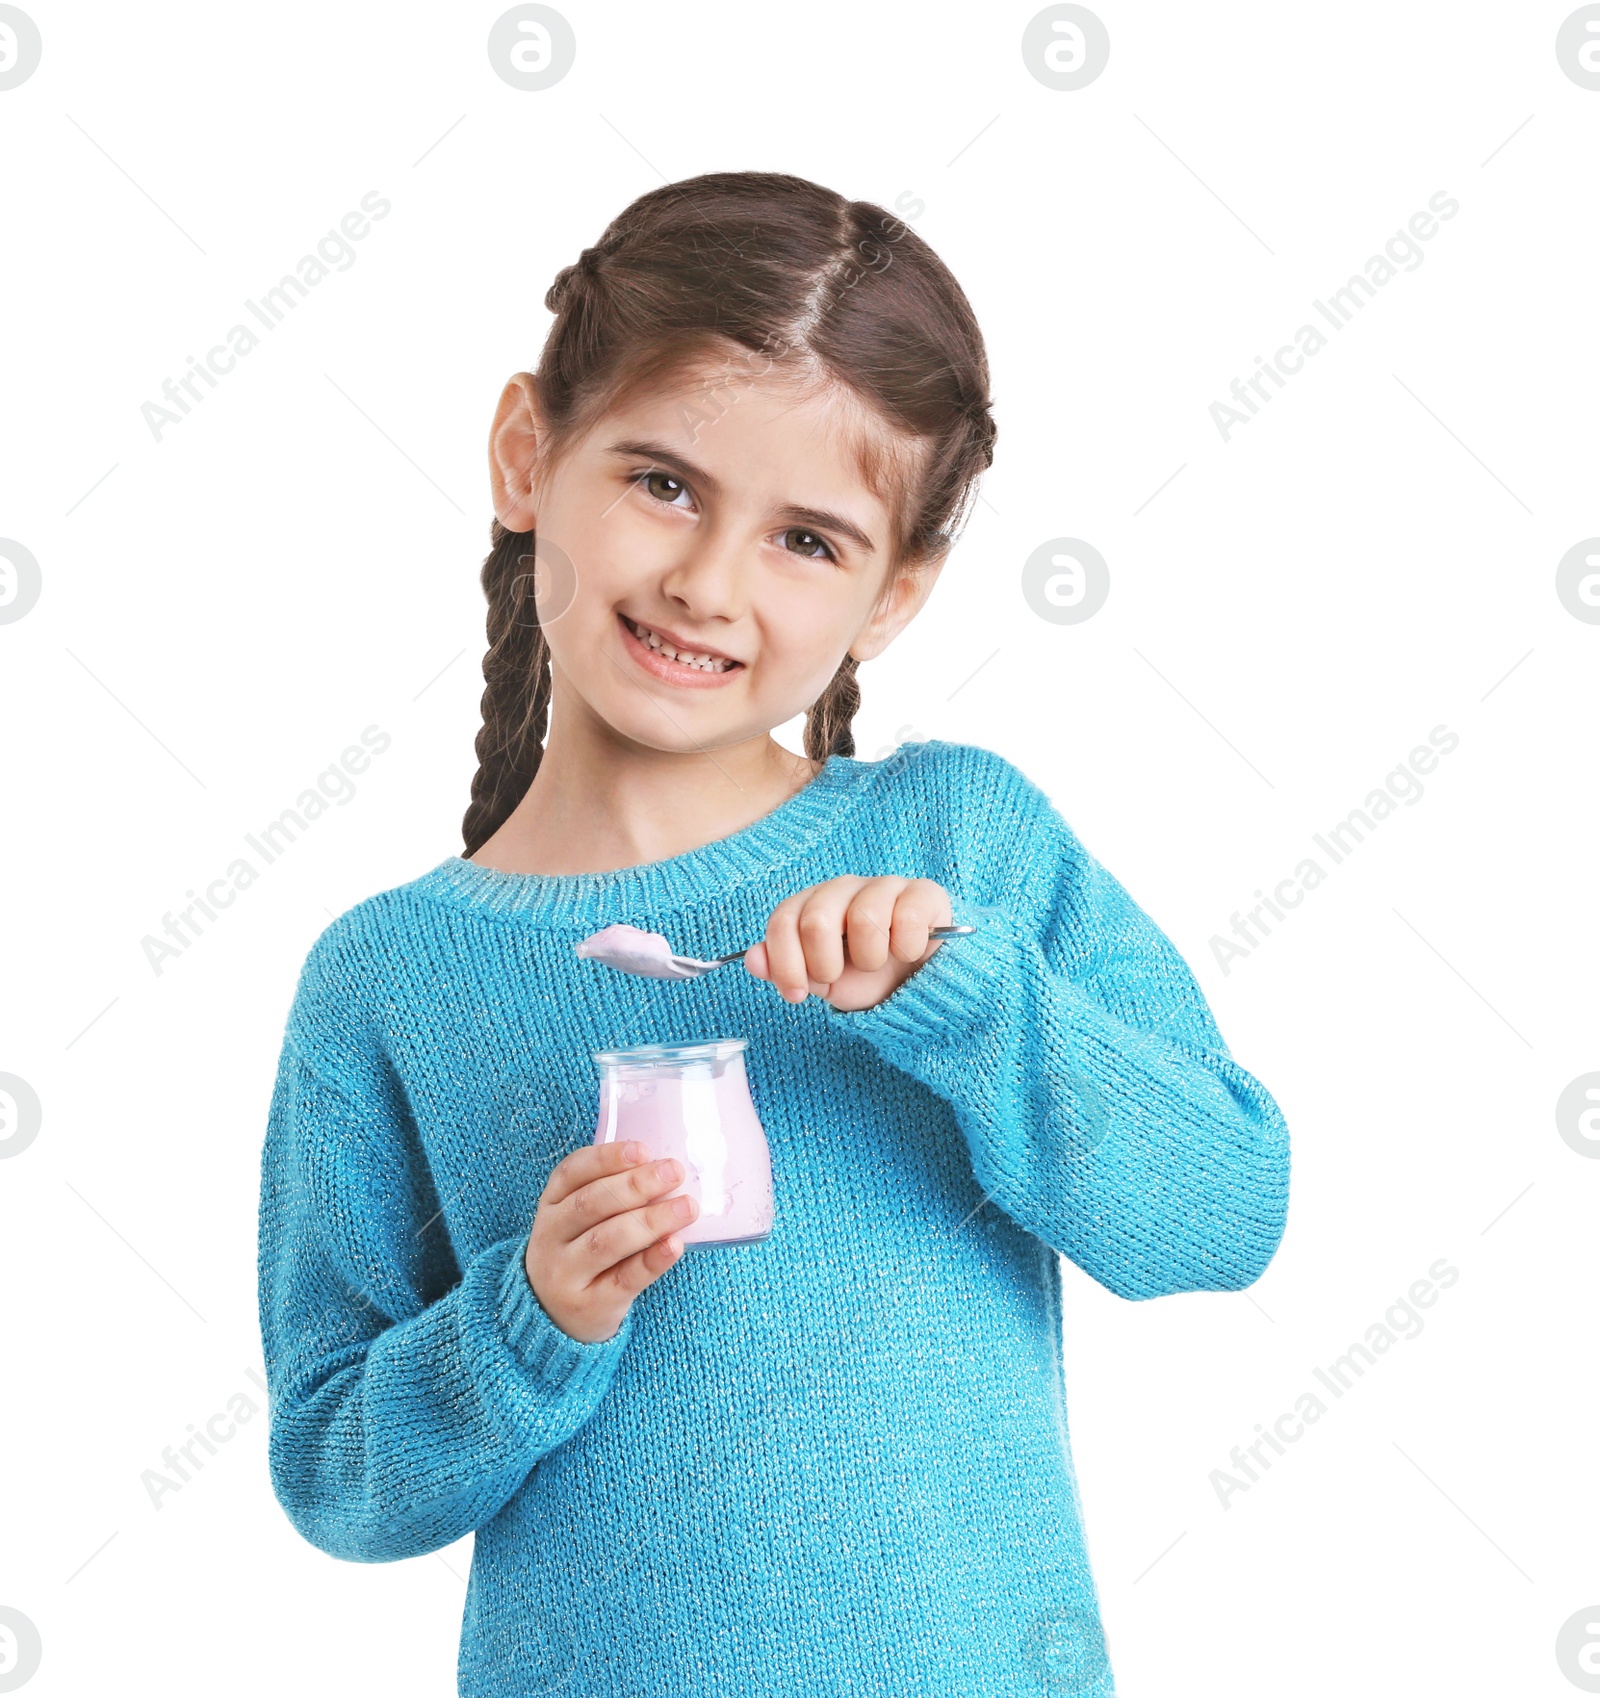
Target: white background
{"points": [[224, 610]]}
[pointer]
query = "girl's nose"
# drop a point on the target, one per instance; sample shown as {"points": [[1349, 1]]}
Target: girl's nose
{"points": [[709, 576]]}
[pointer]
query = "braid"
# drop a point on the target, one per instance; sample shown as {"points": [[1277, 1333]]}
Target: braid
{"points": [[828, 718], [571, 278], [516, 696]]}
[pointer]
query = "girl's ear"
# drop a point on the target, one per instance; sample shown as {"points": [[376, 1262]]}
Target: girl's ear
{"points": [[902, 600], [514, 442]]}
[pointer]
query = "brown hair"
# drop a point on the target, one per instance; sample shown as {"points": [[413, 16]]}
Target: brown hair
{"points": [[764, 266]]}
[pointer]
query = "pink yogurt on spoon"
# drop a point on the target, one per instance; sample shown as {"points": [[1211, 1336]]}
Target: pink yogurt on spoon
{"points": [[631, 950], [692, 1102]]}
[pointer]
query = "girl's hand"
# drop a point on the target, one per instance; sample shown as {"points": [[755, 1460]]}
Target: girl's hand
{"points": [[603, 1231], [887, 921]]}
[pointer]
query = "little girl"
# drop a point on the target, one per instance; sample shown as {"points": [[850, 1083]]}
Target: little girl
{"points": [[836, 1460]]}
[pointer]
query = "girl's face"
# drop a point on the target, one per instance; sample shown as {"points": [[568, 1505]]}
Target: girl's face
{"points": [[731, 524]]}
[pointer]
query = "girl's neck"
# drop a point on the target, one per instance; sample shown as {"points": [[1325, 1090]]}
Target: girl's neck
{"points": [[596, 804]]}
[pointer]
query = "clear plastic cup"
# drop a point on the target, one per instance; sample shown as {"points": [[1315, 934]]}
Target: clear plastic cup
{"points": [[692, 1102]]}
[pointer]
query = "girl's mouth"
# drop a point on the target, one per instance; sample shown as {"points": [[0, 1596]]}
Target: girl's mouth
{"points": [[655, 655]]}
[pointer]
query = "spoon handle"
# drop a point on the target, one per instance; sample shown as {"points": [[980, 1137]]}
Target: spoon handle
{"points": [[937, 931]]}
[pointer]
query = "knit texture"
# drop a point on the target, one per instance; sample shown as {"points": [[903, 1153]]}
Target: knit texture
{"points": [[832, 1462]]}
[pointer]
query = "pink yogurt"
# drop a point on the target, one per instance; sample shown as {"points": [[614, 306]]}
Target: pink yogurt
{"points": [[631, 950], [692, 1101]]}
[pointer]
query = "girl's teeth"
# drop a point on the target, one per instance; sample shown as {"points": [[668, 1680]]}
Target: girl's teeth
{"points": [[701, 663]]}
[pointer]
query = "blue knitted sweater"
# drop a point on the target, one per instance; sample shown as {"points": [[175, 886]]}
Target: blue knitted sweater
{"points": [[832, 1462]]}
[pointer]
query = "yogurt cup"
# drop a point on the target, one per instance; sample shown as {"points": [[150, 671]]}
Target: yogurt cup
{"points": [[692, 1102]]}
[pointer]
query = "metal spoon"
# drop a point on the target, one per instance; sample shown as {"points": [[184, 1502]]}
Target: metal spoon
{"points": [[700, 967], [658, 963]]}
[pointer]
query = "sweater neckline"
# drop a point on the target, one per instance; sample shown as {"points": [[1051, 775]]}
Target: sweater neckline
{"points": [[655, 888]]}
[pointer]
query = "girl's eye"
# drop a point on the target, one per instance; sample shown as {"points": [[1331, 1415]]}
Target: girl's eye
{"points": [[665, 488], [806, 543]]}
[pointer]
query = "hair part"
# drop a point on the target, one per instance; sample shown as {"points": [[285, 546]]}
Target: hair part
{"points": [[752, 273]]}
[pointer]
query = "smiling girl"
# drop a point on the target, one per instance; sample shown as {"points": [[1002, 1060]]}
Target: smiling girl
{"points": [[835, 1460]]}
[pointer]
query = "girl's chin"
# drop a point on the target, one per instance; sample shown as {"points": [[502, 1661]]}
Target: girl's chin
{"points": [[639, 741]]}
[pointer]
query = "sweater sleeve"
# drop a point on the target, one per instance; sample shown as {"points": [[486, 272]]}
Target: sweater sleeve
{"points": [[1100, 1105], [408, 1398]]}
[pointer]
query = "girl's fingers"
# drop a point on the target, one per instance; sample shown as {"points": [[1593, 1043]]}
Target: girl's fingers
{"points": [[590, 1165], [821, 931], [631, 1275], [786, 956], [922, 905], [596, 1252], [814, 936], [798, 937], [603, 1231], [613, 1196], [755, 959], [868, 919]]}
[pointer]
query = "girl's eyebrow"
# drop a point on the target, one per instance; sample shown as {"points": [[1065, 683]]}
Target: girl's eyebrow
{"points": [[814, 518], [673, 462]]}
